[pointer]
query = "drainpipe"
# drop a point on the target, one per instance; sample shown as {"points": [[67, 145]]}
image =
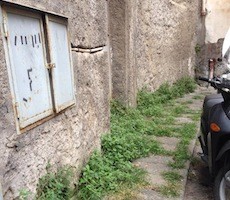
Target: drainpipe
{"points": [[211, 67], [203, 8]]}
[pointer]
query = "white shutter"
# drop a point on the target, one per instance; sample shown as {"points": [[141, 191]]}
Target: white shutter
{"points": [[62, 74], [29, 74]]}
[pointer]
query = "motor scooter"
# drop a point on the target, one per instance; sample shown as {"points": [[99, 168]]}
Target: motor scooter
{"points": [[215, 136]]}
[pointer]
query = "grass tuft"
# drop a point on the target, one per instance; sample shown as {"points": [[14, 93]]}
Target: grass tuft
{"points": [[55, 185]]}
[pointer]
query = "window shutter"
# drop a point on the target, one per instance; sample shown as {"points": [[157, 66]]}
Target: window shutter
{"points": [[28, 68], [62, 71]]}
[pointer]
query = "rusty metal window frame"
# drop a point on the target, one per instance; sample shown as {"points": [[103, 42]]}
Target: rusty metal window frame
{"points": [[44, 19]]}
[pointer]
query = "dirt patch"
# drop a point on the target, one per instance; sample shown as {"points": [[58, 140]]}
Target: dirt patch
{"points": [[199, 185]]}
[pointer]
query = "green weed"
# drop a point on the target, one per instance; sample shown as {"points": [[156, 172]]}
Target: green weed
{"points": [[24, 194], [170, 190], [181, 155], [187, 102], [172, 176], [102, 176], [197, 48], [55, 185], [198, 97]]}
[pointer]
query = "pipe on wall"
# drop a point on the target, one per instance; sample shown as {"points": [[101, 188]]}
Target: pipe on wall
{"points": [[203, 8]]}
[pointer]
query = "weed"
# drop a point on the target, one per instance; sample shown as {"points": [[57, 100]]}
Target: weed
{"points": [[198, 97], [197, 48], [172, 176], [101, 176], [181, 155], [187, 102], [55, 185], [177, 110], [196, 116], [169, 190], [24, 194]]}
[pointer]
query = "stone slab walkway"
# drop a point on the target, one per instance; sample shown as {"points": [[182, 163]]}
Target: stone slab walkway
{"points": [[156, 165]]}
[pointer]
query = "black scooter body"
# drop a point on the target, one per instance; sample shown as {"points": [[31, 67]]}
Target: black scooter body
{"points": [[216, 109], [209, 102]]}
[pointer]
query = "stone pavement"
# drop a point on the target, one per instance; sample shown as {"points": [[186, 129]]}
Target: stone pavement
{"points": [[156, 165]]}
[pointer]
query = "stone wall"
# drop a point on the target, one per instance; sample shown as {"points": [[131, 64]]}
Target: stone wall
{"points": [[117, 31], [167, 32], [122, 32], [70, 137], [152, 41]]}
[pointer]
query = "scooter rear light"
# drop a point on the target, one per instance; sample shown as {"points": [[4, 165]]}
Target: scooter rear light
{"points": [[214, 127]]}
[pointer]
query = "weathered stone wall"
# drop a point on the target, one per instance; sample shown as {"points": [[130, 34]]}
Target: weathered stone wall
{"points": [[216, 22], [122, 31], [166, 40], [71, 136], [117, 31], [151, 43]]}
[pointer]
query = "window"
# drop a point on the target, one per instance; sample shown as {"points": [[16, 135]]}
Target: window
{"points": [[39, 62]]}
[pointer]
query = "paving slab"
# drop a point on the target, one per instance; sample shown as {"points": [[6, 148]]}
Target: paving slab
{"points": [[155, 166], [151, 194], [183, 120], [168, 143]]}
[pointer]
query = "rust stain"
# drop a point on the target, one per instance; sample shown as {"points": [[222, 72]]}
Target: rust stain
{"points": [[34, 125]]}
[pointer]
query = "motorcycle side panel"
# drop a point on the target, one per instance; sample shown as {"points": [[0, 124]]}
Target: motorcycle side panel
{"points": [[218, 139], [224, 149]]}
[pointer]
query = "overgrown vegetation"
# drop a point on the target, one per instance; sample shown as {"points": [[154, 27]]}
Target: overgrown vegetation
{"points": [[55, 185], [133, 133], [131, 137], [172, 187]]}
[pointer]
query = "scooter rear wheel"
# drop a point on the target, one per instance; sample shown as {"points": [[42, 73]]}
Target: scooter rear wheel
{"points": [[222, 184]]}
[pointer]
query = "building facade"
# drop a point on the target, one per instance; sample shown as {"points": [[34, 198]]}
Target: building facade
{"points": [[61, 62], [54, 98]]}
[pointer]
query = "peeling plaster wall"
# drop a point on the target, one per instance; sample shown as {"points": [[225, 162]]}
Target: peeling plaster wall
{"points": [[166, 40], [70, 137], [217, 20]]}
